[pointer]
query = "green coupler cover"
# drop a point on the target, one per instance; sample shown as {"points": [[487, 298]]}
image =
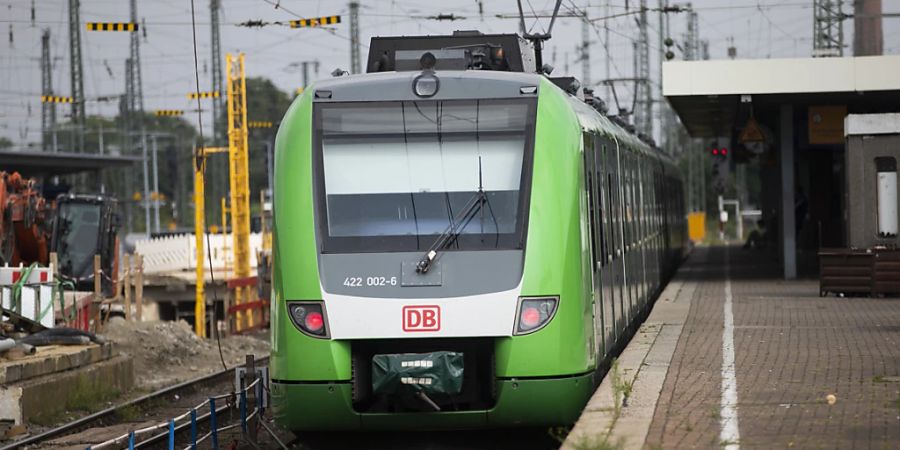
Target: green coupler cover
{"points": [[431, 373]]}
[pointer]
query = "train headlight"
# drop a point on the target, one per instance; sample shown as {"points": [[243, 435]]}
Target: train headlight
{"points": [[309, 318], [426, 85], [534, 313]]}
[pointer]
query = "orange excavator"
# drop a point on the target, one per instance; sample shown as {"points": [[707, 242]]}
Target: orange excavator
{"points": [[76, 227], [24, 229]]}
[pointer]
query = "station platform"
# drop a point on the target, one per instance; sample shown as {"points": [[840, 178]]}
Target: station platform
{"points": [[733, 356]]}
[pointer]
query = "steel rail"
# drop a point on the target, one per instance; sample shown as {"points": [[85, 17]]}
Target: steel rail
{"points": [[98, 416]]}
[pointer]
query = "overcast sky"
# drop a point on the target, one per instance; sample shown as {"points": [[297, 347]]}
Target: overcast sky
{"points": [[759, 29]]}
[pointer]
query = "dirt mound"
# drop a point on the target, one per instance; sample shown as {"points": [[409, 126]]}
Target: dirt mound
{"points": [[167, 353]]}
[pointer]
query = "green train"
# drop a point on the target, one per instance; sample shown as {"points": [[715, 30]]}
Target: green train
{"points": [[459, 242]]}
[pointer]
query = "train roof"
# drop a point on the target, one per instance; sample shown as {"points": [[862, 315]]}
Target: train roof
{"points": [[462, 50], [380, 86]]}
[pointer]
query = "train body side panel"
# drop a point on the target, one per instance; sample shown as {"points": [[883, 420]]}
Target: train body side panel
{"points": [[555, 252], [296, 275]]}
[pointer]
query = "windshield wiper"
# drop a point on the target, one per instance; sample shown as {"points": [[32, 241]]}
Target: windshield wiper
{"points": [[459, 222], [451, 233]]}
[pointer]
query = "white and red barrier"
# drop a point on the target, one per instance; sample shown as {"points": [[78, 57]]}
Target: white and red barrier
{"points": [[35, 299]]}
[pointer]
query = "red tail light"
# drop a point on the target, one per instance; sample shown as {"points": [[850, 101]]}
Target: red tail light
{"points": [[534, 313], [314, 321], [309, 318], [531, 317]]}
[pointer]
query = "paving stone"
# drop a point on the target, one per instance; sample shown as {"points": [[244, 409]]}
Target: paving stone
{"points": [[792, 349]]}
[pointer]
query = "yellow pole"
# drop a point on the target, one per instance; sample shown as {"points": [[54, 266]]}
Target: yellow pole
{"points": [[240, 183], [226, 261], [199, 228]]}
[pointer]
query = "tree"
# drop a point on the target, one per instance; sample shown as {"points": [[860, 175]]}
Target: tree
{"points": [[265, 102], [5, 143]]}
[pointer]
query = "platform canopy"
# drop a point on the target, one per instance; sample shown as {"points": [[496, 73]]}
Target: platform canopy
{"points": [[35, 163], [707, 95]]}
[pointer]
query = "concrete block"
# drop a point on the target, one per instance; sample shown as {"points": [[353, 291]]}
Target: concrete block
{"points": [[83, 387]]}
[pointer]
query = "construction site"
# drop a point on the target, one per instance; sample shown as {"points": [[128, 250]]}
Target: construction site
{"points": [[101, 308]]}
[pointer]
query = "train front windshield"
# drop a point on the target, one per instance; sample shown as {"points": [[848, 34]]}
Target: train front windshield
{"points": [[392, 176]]}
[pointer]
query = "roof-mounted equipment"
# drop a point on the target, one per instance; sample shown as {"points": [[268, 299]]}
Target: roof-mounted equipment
{"points": [[464, 50]]}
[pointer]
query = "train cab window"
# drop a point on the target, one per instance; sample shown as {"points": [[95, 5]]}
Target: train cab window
{"points": [[392, 176]]}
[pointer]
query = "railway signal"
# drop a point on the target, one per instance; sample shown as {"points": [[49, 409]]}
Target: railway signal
{"points": [[206, 94], [315, 22], [129, 27], [719, 167]]}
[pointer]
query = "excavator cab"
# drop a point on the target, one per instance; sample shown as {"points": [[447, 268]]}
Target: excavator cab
{"points": [[84, 226]]}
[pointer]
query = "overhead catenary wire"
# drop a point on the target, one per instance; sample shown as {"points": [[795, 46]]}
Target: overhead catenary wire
{"points": [[212, 323]]}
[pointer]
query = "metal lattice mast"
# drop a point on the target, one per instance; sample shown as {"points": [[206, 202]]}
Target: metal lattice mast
{"points": [[354, 37], [128, 111], [217, 175], [216, 60], [585, 51], [305, 65], [135, 55], [240, 183], [828, 28], [663, 110], [48, 109], [609, 87], [696, 169], [76, 73], [692, 38], [644, 99]]}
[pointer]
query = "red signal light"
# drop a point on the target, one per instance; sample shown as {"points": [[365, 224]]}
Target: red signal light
{"points": [[724, 152], [715, 152]]}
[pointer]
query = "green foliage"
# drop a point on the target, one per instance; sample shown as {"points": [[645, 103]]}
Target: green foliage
{"points": [[5, 143], [265, 102]]}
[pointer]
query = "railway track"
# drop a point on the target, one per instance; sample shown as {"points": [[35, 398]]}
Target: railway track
{"points": [[217, 383]]}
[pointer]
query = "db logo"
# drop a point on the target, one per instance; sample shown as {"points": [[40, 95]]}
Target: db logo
{"points": [[422, 318]]}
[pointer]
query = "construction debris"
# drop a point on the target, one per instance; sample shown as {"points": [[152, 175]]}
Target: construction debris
{"points": [[167, 353]]}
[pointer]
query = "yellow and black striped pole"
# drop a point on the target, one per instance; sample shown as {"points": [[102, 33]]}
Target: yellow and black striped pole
{"points": [[112, 26], [207, 94], [169, 112], [315, 22], [55, 99]]}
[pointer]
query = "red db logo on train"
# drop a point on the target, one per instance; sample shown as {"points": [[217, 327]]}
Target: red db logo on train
{"points": [[422, 318]]}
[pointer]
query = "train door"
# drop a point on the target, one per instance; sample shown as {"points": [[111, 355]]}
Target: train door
{"points": [[632, 275], [654, 226], [621, 242], [607, 309], [590, 180], [606, 274], [641, 226], [642, 229]]}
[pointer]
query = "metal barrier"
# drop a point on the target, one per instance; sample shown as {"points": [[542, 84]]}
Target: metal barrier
{"points": [[249, 419]]}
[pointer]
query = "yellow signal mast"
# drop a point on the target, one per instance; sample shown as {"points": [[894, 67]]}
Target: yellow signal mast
{"points": [[239, 172], [242, 280]]}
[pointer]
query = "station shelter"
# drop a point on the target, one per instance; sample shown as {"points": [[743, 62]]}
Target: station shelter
{"points": [[787, 117]]}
